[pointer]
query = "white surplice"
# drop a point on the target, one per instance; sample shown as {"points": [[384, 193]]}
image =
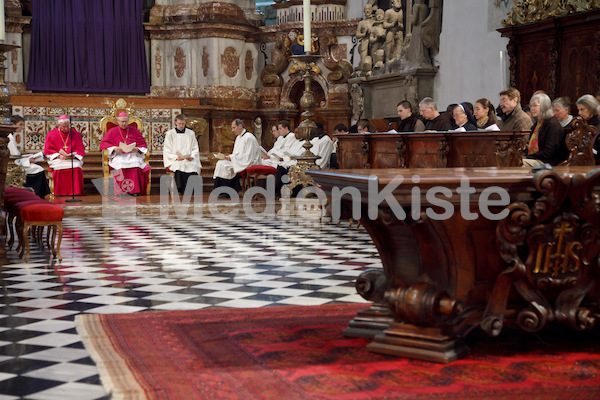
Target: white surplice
{"points": [[134, 159], [29, 167], [287, 147], [322, 146], [185, 144], [246, 152]]}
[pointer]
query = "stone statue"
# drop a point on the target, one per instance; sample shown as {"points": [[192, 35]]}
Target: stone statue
{"points": [[258, 129], [432, 27], [393, 23], [377, 39], [425, 36], [362, 33]]}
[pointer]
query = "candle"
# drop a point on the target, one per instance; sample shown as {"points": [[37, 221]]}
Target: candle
{"points": [[307, 18]]}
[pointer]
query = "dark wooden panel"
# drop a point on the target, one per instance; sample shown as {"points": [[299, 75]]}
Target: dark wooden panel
{"points": [[353, 151], [560, 56], [534, 60], [578, 64]]}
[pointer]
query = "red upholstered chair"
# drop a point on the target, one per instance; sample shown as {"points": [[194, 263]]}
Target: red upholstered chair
{"points": [[11, 198], [39, 213], [252, 175]]}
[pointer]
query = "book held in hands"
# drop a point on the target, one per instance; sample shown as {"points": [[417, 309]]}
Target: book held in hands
{"points": [[127, 148]]}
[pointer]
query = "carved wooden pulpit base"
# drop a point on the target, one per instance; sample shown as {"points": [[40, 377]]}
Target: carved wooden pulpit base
{"points": [[534, 261]]}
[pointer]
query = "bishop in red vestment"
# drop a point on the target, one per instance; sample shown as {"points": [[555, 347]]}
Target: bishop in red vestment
{"points": [[130, 171], [64, 151]]}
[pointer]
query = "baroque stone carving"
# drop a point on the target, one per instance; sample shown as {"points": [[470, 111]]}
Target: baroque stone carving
{"points": [[157, 62], [270, 74], [393, 23], [258, 129], [411, 89], [179, 62], [205, 64], [230, 61], [14, 59], [198, 125], [527, 11], [249, 65], [377, 37], [357, 100], [362, 34], [424, 41]]}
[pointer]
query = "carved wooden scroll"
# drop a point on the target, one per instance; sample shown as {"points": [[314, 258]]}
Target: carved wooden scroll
{"points": [[580, 142], [551, 248]]}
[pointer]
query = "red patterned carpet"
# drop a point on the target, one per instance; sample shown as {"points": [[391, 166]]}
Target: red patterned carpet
{"points": [[295, 352]]}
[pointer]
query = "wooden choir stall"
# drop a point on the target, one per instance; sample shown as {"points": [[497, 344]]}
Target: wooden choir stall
{"points": [[431, 149]]}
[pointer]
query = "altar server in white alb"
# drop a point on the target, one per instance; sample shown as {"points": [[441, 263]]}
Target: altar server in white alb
{"points": [[180, 153], [246, 152], [322, 146], [284, 148]]}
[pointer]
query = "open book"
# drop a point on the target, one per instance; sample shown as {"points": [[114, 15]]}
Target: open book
{"points": [[37, 157], [219, 156], [26, 159], [64, 153], [273, 155], [185, 157], [127, 148]]}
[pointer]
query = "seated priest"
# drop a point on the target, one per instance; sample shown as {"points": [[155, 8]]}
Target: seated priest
{"points": [[181, 153], [64, 151], [127, 149], [35, 177], [282, 148], [246, 152]]}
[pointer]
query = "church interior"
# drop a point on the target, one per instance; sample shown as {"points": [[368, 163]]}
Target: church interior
{"points": [[421, 292]]}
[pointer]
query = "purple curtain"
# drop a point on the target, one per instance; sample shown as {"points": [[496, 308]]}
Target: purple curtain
{"points": [[90, 46]]}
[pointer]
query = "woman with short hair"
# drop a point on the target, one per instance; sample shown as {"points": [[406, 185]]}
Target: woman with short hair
{"points": [[561, 107], [587, 105], [547, 140]]}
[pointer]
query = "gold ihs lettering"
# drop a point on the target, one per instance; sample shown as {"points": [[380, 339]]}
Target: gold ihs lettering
{"points": [[559, 256]]}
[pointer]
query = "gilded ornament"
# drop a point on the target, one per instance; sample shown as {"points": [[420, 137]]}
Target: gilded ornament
{"points": [[528, 11]]}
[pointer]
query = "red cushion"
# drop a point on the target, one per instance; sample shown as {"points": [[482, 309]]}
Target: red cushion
{"points": [[36, 211], [15, 190], [261, 169], [15, 198], [9, 204], [23, 194]]}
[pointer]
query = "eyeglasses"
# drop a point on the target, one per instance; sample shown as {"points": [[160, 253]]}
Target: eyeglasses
{"points": [[533, 105]]}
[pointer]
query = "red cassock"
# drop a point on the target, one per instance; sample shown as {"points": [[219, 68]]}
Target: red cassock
{"points": [[67, 181], [131, 173]]}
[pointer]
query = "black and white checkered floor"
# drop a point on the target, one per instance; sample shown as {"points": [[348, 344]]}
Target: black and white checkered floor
{"points": [[150, 263]]}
